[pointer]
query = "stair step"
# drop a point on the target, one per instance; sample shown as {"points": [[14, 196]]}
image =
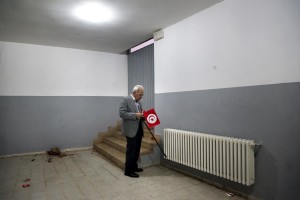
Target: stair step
{"points": [[147, 134], [117, 143], [111, 153], [112, 144], [148, 143], [147, 139], [120, 145]]}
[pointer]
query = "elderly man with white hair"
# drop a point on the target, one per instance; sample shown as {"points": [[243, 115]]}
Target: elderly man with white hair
{"points": [[131, 113]]}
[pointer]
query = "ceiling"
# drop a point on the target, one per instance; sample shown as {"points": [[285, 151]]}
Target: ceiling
{"points": [[50, 22]]}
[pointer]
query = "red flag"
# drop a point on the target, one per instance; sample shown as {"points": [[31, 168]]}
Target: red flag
{"points": [[151, 118]]}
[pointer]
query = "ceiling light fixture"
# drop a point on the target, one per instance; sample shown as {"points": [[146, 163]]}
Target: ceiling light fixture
{"points": [[93, 12]]}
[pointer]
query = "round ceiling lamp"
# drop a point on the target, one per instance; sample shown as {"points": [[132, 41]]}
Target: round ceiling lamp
{"points": [[93, 12]]}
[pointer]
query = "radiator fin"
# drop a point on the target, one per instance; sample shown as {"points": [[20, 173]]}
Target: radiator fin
{"points": [[226, 157]]}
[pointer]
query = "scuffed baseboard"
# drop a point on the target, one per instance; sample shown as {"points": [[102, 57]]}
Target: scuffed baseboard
{"points": [[44, 152]]}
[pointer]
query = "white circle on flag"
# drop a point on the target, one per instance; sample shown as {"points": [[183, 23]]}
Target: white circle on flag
{"points": [[151, 118]]}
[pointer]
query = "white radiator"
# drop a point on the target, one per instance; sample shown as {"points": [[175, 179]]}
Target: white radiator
{"points": [[227, 157]]}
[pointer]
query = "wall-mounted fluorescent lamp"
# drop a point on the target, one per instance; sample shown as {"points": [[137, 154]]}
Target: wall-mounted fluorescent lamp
{"points": [[140, 46]]}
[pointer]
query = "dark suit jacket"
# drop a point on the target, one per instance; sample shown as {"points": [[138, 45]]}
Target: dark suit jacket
{"points": [[127, 112]]}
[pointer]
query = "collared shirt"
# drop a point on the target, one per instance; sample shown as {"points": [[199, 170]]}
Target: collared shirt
{"points": [[138, 107]]}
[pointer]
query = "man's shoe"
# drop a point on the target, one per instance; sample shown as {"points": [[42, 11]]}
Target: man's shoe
{"points": [[132, 174], [138, 170]]}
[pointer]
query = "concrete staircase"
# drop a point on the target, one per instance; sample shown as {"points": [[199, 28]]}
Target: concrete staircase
{"points": [[112, 145]]}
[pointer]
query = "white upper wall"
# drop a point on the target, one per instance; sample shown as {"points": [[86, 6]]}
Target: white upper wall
{"points": [[234, 43], [34, 70]]}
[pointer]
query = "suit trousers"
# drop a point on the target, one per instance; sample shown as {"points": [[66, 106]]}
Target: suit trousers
{"points": [[133, 150]]}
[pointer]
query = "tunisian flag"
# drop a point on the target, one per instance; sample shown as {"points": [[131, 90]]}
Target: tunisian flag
{"points": [[151, 118]]}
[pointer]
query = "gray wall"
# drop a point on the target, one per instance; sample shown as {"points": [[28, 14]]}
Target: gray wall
{"points": [[141, 72], [268, 113], [37, 123]]}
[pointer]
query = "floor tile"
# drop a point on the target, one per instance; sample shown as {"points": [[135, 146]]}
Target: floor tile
{"points": [[86, 175]]}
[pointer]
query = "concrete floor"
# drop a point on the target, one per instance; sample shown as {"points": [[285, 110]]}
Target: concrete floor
{"points": [[87, 175]]}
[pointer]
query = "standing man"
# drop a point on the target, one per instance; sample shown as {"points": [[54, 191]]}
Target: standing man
{"points": [[131, 113]]}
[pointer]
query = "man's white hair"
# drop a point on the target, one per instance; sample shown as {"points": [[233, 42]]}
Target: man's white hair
{"points": [[137, 87]]}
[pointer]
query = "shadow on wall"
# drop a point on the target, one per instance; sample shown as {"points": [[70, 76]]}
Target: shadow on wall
{"points": [[268, 178]]}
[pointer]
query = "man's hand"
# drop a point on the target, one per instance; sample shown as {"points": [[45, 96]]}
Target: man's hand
{"points": [[138, 115]]}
